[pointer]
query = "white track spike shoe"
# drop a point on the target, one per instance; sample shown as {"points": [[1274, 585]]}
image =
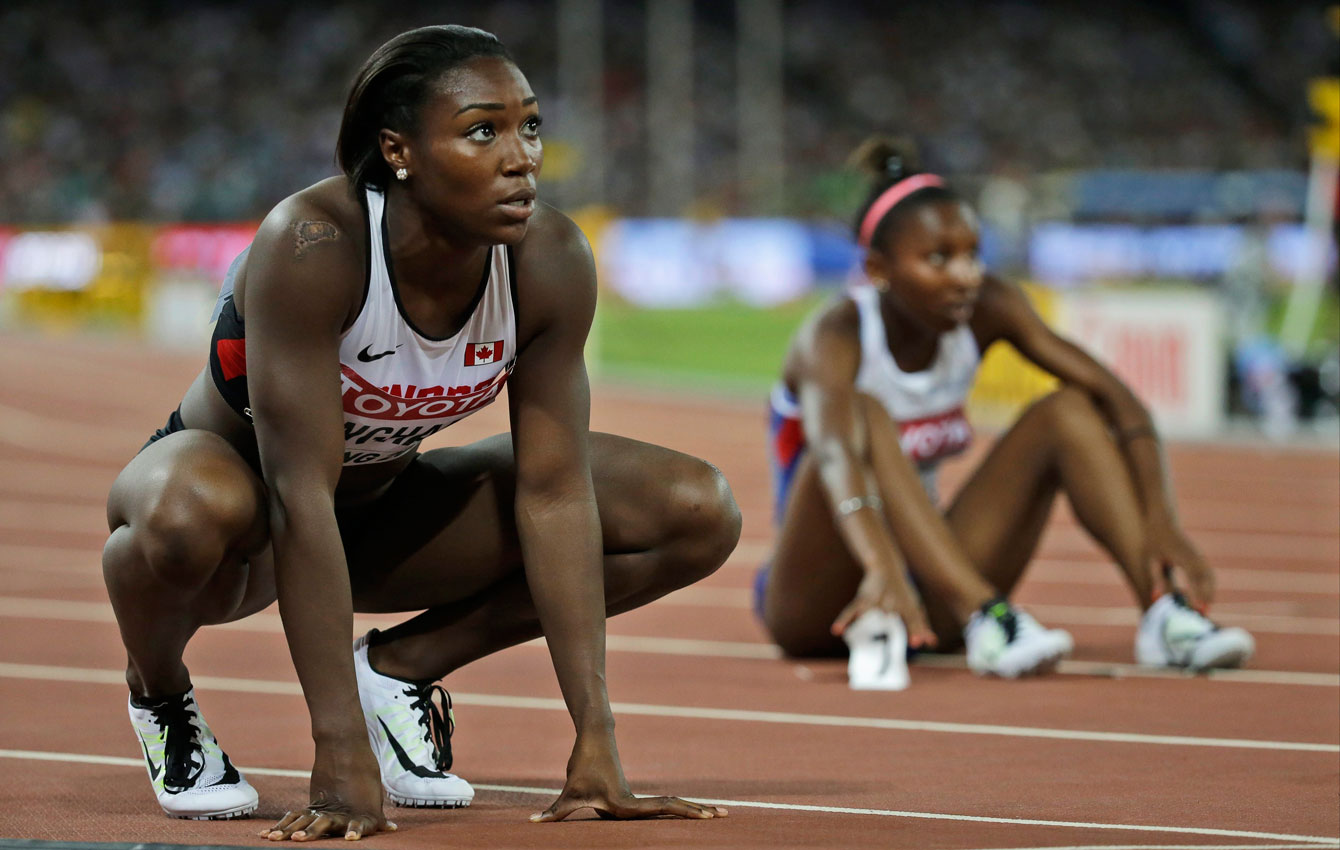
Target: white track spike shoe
{"points": [[1005, 641], [1173, 634], [410, 736], [877, 657], [192, 777]]}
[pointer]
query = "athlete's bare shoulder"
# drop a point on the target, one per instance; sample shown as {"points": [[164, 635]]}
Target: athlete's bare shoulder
{"points": [[315, 218], [314, 239], [834, 320], [555, 272], [834, 326], [997, 310], [552, 237]]}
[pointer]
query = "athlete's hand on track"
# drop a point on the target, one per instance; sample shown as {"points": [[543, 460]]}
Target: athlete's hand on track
{"points": [[1168, 551], [895, 595], [346, 791], [596, 781]]}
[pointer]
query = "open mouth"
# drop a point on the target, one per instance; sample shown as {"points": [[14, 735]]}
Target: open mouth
{"points": [[519, 207]]}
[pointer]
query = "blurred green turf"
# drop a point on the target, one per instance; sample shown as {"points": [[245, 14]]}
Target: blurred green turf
{"points": [[724, 345], [728, 346]]}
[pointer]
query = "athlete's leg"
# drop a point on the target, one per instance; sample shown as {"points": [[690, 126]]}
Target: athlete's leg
{"points": [[187, 547], [812, 575], [444, 538], [950, 581], [1061, 442]]}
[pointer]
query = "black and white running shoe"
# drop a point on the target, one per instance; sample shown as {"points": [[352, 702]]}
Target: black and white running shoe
{"points": [[411, 737], [191, 775]]}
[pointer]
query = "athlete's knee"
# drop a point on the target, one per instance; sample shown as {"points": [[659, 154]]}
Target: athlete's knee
{"points": [[1069, 407], [188, 530], [706, 518]]}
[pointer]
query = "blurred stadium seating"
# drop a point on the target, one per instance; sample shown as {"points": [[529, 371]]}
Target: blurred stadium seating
{"points": [[1130, 142], [215, 110]]}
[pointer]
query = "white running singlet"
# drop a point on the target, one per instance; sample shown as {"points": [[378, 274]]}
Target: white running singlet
{"points": [[400, 386], [927, 405]]}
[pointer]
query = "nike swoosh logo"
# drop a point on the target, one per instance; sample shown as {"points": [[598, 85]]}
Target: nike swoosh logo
{"points": [[154, 769], [367, 356], [405, 761], [230, 774]]}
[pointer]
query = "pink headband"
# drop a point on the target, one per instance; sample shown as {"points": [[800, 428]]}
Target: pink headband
{"points": [[892, 196]]}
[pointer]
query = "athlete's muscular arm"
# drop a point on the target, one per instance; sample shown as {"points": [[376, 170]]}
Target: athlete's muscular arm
{"points": [[828, 357], [1009, 316], [918, 529], [302, 274], [557, 520]]}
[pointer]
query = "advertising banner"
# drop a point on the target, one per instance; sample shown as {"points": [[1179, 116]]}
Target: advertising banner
{"points": [[1166, 346]]}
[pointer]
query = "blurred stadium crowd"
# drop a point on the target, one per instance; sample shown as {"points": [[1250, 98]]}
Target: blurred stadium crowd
{"points": [[1159, 143], [212, 111]]}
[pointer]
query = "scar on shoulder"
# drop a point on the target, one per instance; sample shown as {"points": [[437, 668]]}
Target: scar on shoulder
{"points": [[309, 234]]}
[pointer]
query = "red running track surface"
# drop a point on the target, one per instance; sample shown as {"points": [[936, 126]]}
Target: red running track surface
{"points": [[1100, 754]]}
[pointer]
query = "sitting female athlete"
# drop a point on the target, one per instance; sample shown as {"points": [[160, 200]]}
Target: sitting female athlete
{"points": [[372, 310], [871, 400]]}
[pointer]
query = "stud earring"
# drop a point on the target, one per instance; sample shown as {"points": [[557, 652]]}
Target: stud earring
{"points": [[402, 174]]}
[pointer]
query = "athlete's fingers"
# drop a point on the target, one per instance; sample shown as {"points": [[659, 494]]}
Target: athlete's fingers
{"points": [[919, 632], [854, 609], [1159, 576], [687, 808], [655, 807], [359, 827], [296, 825], [1200, 581], [561, 808], [321, 827], [287, 819]]}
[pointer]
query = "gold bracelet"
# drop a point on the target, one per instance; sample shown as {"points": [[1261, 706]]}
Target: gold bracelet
{"points": [[847, 507]]}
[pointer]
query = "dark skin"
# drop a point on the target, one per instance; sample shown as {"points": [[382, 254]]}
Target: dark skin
{"points": [[545, 532], [1093, 440]]}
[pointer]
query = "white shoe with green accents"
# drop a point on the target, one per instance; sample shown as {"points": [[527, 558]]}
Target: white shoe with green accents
{"points": [[1005, 641], [410, 736], [1173, 634], [191, 775]]}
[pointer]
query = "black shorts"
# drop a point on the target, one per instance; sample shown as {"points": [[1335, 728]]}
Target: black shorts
{"points": [[398, 507], [174, 424]]}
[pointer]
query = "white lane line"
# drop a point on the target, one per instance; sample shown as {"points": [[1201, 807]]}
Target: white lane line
{"points": [[707, 597], [1117, 670], [1086, 615], [1312, 840], [1218, 543], [270, 686], [749, 554], [267, 623], [1073, 615], [1044, 571]]}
